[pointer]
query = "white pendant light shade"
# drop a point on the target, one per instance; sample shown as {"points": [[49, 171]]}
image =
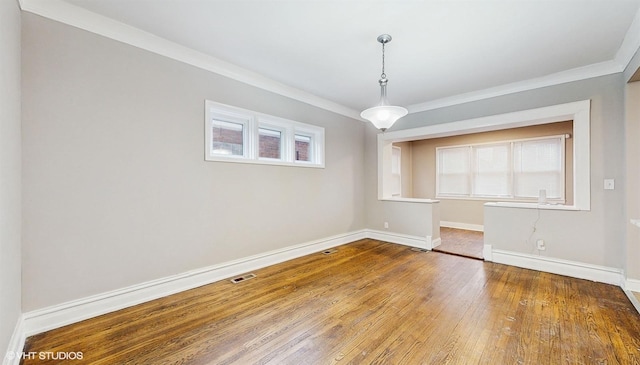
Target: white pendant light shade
{"points": [[383, 116]]}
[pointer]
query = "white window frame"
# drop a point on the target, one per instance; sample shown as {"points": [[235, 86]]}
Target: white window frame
{"points": [[252, 122], [312, 149], [511, 196], [232, 119], [579, 112]]}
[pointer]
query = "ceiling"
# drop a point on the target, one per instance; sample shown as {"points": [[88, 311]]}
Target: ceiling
{"points": [[443, 51]]}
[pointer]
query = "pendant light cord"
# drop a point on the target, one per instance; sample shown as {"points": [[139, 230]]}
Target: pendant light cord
{"points": [[383, 75]]}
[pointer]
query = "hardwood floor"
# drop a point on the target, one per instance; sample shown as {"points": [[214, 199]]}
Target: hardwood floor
{"points": [[368, 303], [461, 242]]}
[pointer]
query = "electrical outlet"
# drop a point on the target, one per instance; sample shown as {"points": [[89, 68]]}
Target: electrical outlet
{"points": [[386, 225], [540, 245], [609, 184]]}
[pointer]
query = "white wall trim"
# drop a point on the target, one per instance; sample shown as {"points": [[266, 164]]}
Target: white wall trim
{"points": [[59, 315], [56, 316], [487, 253], [576, 74], [435, 243], [574, 269], [630, 44], [95, 23], [460, 225], [632, 284], [400, 238], [578, 111], [16, 344], [633, 300]]}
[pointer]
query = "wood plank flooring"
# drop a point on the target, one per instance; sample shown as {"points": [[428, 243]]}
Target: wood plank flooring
{"points": [[461, 242], [369, 303]]}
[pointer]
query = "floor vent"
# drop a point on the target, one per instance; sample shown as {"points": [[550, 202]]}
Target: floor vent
{"points": [[243, 278], [419, 249], [329, 251]]}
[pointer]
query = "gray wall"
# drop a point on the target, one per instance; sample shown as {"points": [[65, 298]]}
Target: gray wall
{"points": [[10, 164], [595, 237], [632, 132], [116, 189]]}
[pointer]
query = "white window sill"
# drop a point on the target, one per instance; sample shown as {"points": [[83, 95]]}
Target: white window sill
{"points": [[493, 200], [533, 206], [264, 162], [409, 200]]}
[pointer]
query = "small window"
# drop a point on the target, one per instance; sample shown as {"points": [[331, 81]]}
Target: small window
{"points": [[243, 136], [303, 148], [270, 141], [227, 138]]}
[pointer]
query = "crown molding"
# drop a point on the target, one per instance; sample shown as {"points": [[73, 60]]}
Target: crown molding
{"points": [[576, 74], [95, 23], [630, 44], [81, 18]]}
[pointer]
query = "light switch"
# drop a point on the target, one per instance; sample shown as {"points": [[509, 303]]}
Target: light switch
{"points": [[609, 184]]}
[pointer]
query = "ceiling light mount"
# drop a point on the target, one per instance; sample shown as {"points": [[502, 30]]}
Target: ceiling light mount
{"points": [[383, 115]]}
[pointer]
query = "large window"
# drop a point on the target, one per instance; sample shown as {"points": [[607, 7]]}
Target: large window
{"points": [[238, 135], [519, 170]]}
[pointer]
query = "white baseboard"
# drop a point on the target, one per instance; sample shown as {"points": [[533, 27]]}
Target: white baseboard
{"points": [[633, 299], [487, 253], [401, 239], [574, 269], [435, 243], [16, 344], [458, 225], [45, 319], [632, 284]]}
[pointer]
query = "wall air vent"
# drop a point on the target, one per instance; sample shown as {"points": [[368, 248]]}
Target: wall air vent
{"points": [[243, 278]]}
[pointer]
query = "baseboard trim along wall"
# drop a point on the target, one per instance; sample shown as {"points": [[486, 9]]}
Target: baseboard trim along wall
{"points": [[487, 253], [56, 316], [45, 319], [632, 284], [459, 225], [574, 269], [633, 299], [401, 239], [16, 344]]}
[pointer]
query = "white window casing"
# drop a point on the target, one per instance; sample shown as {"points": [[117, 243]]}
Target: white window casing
{"points": [[257, 129], [579, 112]]}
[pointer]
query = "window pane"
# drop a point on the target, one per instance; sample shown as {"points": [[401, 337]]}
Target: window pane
{"points": [[303, 148], [491, 175], [270, 143], [538, 165], [453, 171], [396, 158], [227, 138]]}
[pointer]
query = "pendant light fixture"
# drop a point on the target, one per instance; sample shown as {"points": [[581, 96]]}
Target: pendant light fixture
{"points": [[383, 115]]}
